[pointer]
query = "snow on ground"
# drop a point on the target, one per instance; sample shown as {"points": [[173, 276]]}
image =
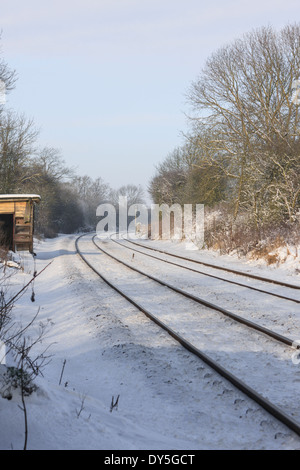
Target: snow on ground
{"points": [[168, 399], [286, 269]]}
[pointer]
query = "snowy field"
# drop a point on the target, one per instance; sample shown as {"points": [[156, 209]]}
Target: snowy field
{"points": [[168, 398]]}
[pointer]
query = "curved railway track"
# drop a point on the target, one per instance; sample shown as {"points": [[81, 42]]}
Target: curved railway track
{"points": [[280, 296], [221, 268], [281, 338], [270, 407]]}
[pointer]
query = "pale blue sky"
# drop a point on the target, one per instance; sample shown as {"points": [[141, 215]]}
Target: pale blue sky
{"points": [[105, 80]]}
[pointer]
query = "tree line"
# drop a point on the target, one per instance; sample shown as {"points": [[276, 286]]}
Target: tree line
{"points": [[242, 148], [68, 200]]}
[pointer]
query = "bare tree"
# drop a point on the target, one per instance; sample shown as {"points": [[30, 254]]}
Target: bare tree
{"points": [[245, 121], [28, 363], [7, 75], [167, 185], [90, 194], [134, 194], [17, 140]]}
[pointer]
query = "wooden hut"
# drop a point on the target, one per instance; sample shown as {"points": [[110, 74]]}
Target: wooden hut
{"points": [[17, 221]]}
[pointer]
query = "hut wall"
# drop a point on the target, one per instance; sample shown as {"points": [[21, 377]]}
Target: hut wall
{"points": [[22, 227]]}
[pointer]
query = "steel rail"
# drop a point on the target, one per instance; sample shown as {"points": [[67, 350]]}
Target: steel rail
{"points": [[222, 268], [274, 410], [233, 316], [206, 274]]}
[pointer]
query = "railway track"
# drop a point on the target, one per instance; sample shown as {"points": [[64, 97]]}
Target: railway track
{"points": [[270, 407], [281, 338], [232, 271]]}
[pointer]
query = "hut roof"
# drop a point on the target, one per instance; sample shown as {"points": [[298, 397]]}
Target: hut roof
{"points": [[20, 197]]}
